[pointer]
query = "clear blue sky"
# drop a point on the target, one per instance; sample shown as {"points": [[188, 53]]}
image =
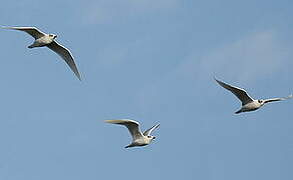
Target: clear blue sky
{"points": [[152, 61]]}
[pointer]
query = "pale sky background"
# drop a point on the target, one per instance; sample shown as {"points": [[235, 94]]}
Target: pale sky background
{"points": [[152, 61]]}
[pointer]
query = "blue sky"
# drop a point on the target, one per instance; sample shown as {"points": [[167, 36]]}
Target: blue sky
{"points": [[152, 61]]}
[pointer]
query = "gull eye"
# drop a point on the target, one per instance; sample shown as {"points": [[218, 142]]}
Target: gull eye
{"points": [[52, 35], [260, 101]]}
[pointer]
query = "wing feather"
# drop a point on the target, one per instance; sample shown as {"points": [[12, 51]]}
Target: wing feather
{"points": [[33, 31], [150, 130], [239, 93], [66, 55], [278, 99], [132, 126]]}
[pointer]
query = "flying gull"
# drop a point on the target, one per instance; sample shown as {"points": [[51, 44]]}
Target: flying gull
{"points": [[138, 138], [248, 104], [48, 40]]}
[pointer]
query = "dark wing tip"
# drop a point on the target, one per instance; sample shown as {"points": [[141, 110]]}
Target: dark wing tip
{"points": [[215, 79], [73, 67], [218, 81], [78, 76]]}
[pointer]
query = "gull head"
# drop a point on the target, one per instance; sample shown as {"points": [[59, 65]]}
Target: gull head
{"points": [[53, 36], [152, 137], [261, 102]]}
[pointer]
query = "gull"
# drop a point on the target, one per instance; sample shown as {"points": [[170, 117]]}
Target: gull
{"points": [[48, 40], [248, 103], [138, 138]]}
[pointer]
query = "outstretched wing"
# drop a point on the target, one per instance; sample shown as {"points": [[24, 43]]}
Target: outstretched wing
{"points": [[278, 99], [34, 32], [150, 130], [66, 55], [131, 125], [239, 93]]}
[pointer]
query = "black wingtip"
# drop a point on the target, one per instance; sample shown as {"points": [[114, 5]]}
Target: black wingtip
{"points": [[77, 75], [218, 81]]}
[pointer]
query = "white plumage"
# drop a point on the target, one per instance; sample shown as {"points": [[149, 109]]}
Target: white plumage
{"points": [[138, 138], [248, 103], [42, 39]]}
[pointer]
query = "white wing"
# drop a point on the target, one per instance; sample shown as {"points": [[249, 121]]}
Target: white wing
{"points": [[240, 93], [150, 130], [131, 125], [278, 99], [66, 55], [34, 32]]}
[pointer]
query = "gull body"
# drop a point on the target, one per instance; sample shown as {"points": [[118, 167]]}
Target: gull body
{"points": [[142, 141], [48, 40], [138, 138], [248, 103], [251, 106], [43, 41]]}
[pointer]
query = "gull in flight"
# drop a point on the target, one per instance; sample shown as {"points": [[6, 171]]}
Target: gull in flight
{"points": [[248, 104], [138, 138], [48, 40]]}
